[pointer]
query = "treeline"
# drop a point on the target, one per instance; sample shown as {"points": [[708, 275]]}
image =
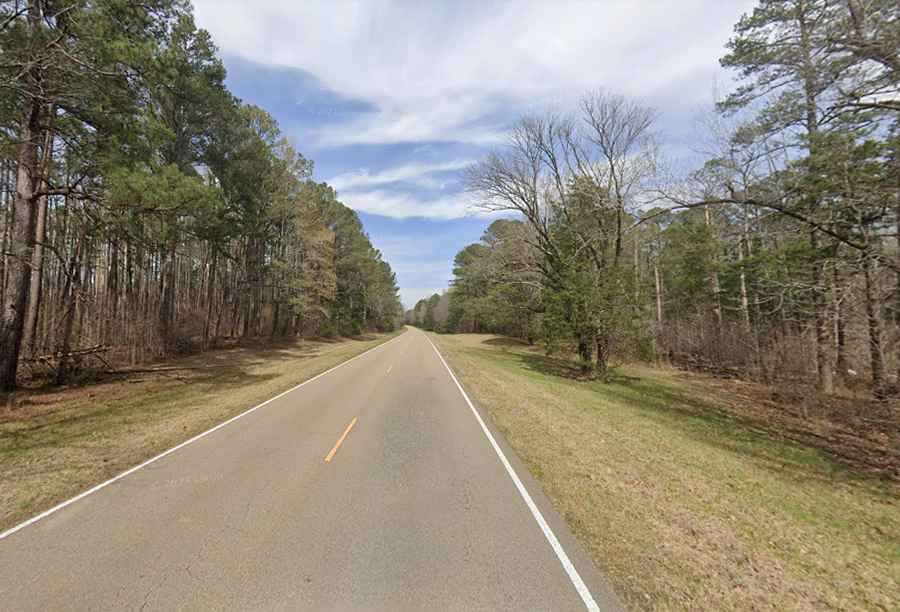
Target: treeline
{"points": [[144, 209], [777, 260], [431, 313]]}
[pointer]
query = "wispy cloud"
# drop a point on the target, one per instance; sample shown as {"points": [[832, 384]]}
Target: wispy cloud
{"points": [[419, 174], [401, 205], [456, 71]]}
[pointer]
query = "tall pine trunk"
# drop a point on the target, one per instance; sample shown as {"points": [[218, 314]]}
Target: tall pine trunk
{"points": [[167, 298], [36, 277], [873, 321], [37, 254], [714, 287], [210, 296], [21, 246], [840, 328], [112, 291], [70, 299], [824, 366], [6, 203]]}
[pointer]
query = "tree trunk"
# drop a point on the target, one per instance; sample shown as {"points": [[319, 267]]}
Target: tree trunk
{"points": [[714, 279], [585, 352], [840, 333], [21, 245], [619, 214], [276, 314], [70, 299], [37, 254], [36, 276], [820, 301], [823, 358], [602, 357], [210, 296], [167, 300], [874, 325], [745, 299], [6, 202], [112, 290], [659, 348], [637, 273], [659, 300]]}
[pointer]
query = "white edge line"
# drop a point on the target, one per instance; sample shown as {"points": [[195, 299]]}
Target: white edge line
{"points": [[129, 471], [573, 574]]}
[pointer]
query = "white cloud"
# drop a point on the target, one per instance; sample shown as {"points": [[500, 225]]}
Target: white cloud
{"points": [[419, 174], [401, 205], [457, 70]]}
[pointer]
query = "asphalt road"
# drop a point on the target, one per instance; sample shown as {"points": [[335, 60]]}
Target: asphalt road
{"points": [[415, 510]]}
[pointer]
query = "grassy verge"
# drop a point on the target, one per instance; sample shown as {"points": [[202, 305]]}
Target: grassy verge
{"points": [[683, 505], [56, 443]]}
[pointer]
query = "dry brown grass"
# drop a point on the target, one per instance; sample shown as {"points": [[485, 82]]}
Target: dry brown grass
{"points": [[684, 505], [56, 443]]}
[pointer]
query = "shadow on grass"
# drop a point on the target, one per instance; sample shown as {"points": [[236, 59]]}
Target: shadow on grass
{"points": [[501, 341], [86, 400], [568, 368], [339, 339], [85, 418], [788, 454], [66, 414], [364, 337], [242, 355]]}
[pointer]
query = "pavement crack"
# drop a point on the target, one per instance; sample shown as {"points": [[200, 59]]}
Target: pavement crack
{"points": [[152, 589]]}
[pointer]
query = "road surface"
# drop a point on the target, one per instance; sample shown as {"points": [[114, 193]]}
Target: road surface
{"points": [[414, 509]]}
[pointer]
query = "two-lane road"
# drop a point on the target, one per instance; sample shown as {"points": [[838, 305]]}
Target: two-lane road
{"points": [[415, 509]]}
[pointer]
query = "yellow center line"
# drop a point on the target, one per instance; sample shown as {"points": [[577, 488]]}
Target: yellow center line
{"points": [[340, 441]]}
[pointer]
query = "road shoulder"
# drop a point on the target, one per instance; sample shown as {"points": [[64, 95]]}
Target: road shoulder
{"points": [[678, 502], [594, 579], [56, 444]]}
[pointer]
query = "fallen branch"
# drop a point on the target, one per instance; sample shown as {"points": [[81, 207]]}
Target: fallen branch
{"points": [[75, 353]]}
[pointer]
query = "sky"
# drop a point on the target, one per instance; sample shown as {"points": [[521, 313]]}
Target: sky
{"points": [[392, 100]]}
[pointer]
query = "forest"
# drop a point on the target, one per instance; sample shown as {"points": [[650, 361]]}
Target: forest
{"points": [[664, 373], [145, 211], [776, 259]]}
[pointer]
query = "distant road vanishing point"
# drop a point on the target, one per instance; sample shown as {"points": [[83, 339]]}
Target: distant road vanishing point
{"points": [[375, 486]]}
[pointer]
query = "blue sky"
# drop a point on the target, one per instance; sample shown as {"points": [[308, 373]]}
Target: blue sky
{"points": [[393, 99]]}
